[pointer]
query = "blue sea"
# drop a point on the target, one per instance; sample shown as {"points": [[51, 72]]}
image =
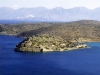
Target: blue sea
{"points": [[75, 62]]}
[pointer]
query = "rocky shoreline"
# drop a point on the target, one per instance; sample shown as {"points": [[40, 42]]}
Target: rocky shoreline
{"points": [[47, 44]]}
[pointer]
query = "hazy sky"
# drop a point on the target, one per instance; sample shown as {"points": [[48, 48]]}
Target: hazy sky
{"points": [[91, 4]]}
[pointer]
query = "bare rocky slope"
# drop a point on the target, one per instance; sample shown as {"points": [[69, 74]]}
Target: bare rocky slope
{"points": [[84, 30], [15, 29]]}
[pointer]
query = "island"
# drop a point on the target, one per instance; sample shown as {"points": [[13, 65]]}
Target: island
{"points": [[47, 43]]}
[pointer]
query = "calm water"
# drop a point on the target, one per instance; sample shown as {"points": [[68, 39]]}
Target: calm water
{"points": [[76, 62]]}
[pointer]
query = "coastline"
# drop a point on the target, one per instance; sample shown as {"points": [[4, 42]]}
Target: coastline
{"points": [[46, 43], [67, 49]]}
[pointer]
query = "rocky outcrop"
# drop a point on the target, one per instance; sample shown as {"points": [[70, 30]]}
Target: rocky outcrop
{"points": [[45, 44]]}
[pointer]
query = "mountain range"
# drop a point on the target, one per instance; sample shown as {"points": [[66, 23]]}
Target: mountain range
{"points": [[45, 14]]}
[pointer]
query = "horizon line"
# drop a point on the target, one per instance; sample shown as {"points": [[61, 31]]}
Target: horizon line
{"points": [[51, 8]]}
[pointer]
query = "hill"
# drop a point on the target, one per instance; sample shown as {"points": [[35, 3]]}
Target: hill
{"points": [[87, 29], [15, 29], [83, 30]]}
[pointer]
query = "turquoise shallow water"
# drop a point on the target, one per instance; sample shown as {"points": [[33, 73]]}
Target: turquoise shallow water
{"points": [[76, 62]]}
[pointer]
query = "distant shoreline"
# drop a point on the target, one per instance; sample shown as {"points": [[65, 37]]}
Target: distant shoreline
{"points": [[83, 30]]}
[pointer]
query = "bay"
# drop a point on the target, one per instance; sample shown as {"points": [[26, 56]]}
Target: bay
{"points": [[75, 62]]}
